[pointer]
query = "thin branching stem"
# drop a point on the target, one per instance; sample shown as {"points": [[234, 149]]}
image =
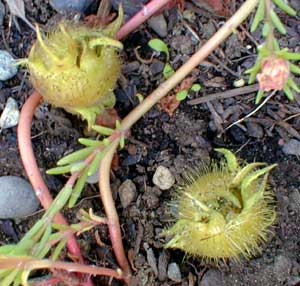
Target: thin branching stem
{"points": [[146, 105]]}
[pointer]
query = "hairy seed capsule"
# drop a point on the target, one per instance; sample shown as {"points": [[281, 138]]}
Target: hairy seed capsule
{"points": [[76, 67], [224, 211]]}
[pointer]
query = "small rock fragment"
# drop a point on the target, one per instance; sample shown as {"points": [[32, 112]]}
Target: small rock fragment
{"points": [[159, 25], [163, 178], [156, 67], [10, 115], [163, 261], [212, 277], [127, 193], [7, 68], [282, 267], [71, 5], [255, 130], [292, 147], [151, 258], [17, 198], [174, 272]]}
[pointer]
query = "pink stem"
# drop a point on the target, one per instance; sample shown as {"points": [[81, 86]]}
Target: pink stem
{"points": [[149, 9], [32, 169]]}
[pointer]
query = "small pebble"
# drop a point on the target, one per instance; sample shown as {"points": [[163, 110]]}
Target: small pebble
{"points": [[282, 267], [163, 261], [71, 5], [156, 67], [151, 258], [10, 115], [7, 69], [254, 130], [17, 198], [159, 25], [212, 277], [127, 193], [174, 272], [292, 147], [163, 178]]}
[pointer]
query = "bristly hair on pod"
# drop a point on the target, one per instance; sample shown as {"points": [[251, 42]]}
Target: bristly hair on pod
{"points": [[223, 211], [76, 67]]}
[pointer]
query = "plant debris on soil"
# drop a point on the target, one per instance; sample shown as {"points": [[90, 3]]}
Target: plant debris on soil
{"points": [[178, 142]]}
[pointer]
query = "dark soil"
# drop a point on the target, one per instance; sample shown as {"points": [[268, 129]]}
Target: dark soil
{"points": [[177, 142]]}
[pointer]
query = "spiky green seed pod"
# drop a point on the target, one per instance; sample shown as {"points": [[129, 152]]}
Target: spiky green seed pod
{"points": [[76, 67], [223, 211]]}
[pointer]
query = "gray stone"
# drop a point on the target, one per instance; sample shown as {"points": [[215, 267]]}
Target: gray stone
{"points": [[163, 178], [127, 193], [71, 5], [7, 69], [159, 25], [17, 198], [212, 277], [282, 267], [255, 130], [174, 272], [292, 147]]}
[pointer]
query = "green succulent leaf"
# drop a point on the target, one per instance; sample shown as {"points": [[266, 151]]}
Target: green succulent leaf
{"points": [[294, 69], [259, 15], [277, 22], [76, 156], [95, 163], [59, 170], [289, 94], [89, 142], [59, 247], [291, 83], [259, 96], [285, 7], [103, 130], [159, 46], [77, 167], [78, 188]]}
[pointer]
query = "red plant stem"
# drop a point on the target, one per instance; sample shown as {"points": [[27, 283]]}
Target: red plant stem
{"points": [[29, 264], [148, 10], [32, 169]]}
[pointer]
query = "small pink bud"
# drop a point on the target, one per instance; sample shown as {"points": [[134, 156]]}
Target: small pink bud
{"points": [[274, 73]]}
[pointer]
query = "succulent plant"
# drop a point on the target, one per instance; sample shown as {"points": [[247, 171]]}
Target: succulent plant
{"points": [[76, 67], [223, 211]]}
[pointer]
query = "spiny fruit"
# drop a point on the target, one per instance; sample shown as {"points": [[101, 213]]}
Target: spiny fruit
{"points": [[76, 67], [224, 211]]}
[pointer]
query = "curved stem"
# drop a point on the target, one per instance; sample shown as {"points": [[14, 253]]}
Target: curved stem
{"points": [[149, 9], [146, 105], [31, 167]]}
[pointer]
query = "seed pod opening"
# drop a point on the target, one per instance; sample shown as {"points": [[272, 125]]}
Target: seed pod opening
{"points": [[76, 67], [223, 211]]}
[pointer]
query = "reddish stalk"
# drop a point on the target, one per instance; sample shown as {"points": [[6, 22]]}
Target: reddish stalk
{"points": [[149, 9], [28, 264], [32, 169], [33, 172]]}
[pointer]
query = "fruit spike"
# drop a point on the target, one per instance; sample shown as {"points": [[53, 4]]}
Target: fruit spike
{"points": [[76, 67], [223, 211]]}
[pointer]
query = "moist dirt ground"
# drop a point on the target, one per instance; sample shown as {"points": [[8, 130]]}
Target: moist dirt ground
{"points": [[178, 142]]}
